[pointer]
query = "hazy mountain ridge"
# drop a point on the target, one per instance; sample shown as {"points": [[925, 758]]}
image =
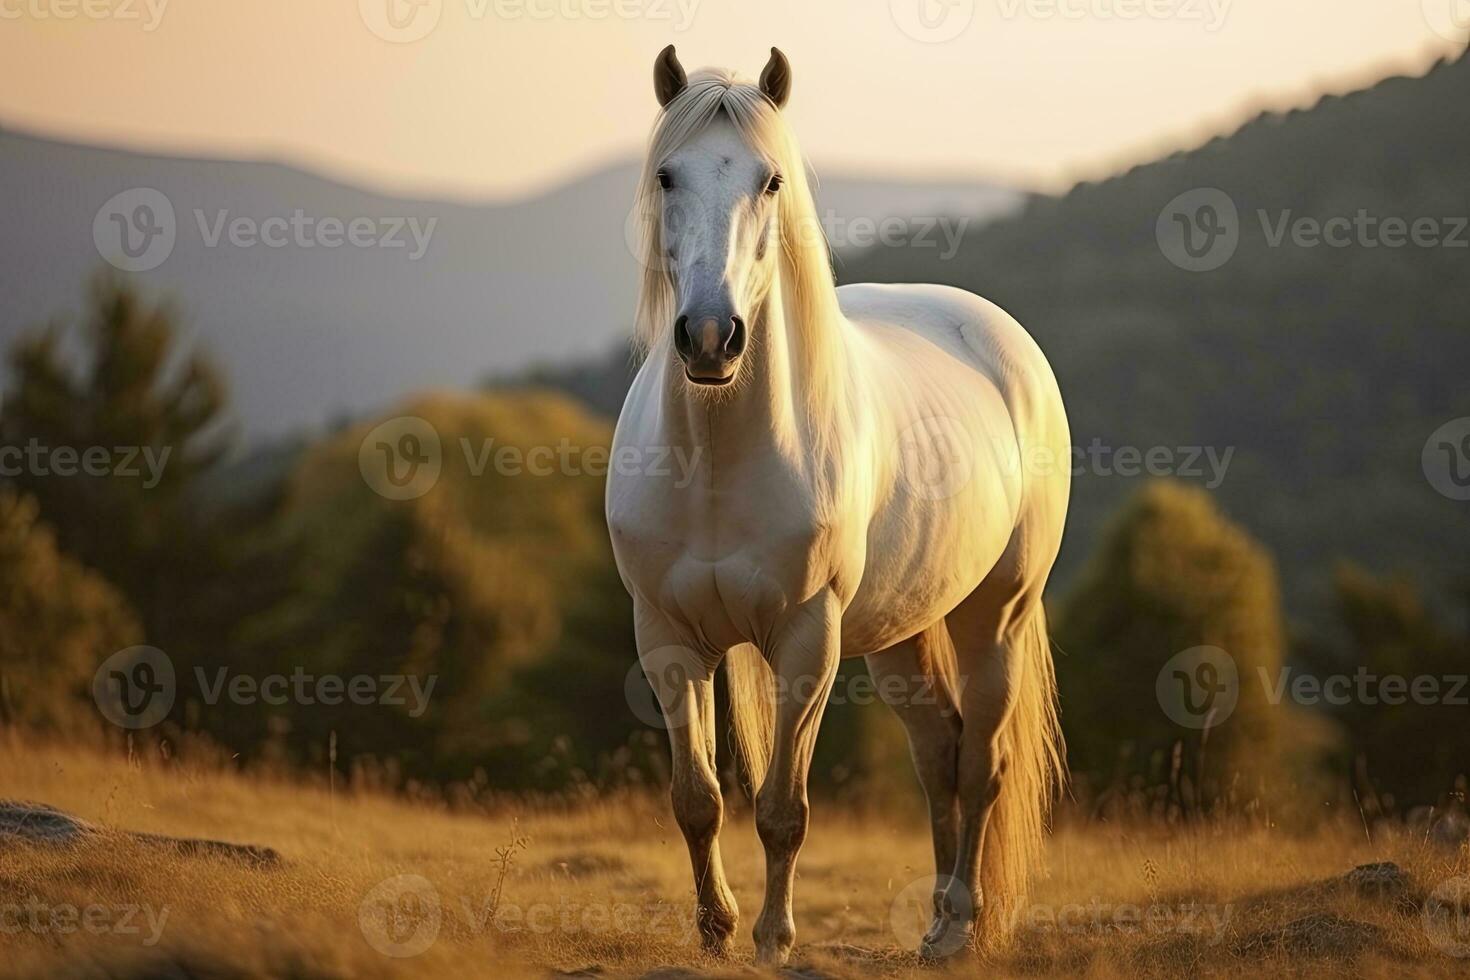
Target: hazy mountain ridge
{"points": [[311, 333], [1325, 368]]}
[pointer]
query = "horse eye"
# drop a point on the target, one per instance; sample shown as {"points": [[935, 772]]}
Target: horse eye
{"points": [[664, 180], [775, 184]]}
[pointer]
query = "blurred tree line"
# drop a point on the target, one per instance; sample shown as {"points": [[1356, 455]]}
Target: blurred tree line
{"points": [[498, 584]]}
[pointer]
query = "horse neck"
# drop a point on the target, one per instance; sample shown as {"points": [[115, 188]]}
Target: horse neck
{"points": [[773, 405]]}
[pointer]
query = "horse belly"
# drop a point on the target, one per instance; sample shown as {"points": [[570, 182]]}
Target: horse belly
{"points": [[925, 556]]}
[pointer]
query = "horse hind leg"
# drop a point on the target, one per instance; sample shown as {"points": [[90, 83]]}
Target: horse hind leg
{"points": [[916, 679], [1010, 760]]}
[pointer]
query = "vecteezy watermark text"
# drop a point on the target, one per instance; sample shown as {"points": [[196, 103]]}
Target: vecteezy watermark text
{"points": [[1210, 13], [64, 919], [1200, 230], [147, 12], [920, 231], [403, 458], [667, 669], [1200, 687], [300, 687], [136, 230], [402, 917], [308, 231], [1365, 687], [137, 687], [1076, 918], [406, 21], [569, 459], [129, 462]]}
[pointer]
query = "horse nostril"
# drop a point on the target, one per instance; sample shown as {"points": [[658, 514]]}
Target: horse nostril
{"points": [[735, 345], [683, 343]]}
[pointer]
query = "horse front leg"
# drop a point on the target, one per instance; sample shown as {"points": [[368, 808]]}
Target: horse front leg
{"points": [[804, 658], [684, 684]]}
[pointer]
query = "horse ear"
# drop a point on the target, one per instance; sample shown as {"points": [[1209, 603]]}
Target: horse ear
{"points": [[668, 76], [776, 78]]}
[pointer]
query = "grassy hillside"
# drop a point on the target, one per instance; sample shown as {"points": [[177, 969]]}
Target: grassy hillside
{"points": [[373, 887]]}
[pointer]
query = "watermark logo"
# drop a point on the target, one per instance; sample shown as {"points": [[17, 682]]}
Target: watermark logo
{"points": [[1445, 916], [936, 457], [668, 214], [1450, 19], [1446, 459], [401, 459], [918, 906], [669, 669], [1199, 230], [403, 916], [135, 230], [1198, 688], [400, 917], [401, 21], [135, 688], [932, 21], [404, 458]]}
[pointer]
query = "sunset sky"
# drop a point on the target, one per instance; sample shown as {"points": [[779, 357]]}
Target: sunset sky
{"points": [[503, 97]]}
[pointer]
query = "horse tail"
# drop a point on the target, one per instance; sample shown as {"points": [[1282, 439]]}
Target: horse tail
{"points": [[1031, 745], [752, 709]]}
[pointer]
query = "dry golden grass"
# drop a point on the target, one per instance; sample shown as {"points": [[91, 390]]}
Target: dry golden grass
{"points": [[604, 886]]}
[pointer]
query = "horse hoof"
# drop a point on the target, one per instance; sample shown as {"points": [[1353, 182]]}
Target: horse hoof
{"points": [[774, 950], [773, 957], [718, 942], [946, 938], [718, 946]]}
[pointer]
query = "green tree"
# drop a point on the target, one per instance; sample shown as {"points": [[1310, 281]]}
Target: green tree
{"points": [[58, 621], [496, 584], [124, 391], [1415, 741], [1172, 574]]}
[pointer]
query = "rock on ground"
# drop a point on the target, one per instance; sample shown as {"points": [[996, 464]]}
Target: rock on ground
{"points": [[41, 824]]}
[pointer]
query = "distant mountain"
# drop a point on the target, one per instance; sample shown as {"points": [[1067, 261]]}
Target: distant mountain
{"points": [[1325, 361], [1322, 371], [310, 334]]}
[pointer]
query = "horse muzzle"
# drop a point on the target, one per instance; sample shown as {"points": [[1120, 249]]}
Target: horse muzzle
{"points": [[710, 346]]}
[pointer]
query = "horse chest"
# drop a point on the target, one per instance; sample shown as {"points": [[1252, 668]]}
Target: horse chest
{"points": [[727, 566]]}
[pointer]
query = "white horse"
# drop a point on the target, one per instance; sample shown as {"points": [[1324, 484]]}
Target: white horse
{"points": [[881, 473]]}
